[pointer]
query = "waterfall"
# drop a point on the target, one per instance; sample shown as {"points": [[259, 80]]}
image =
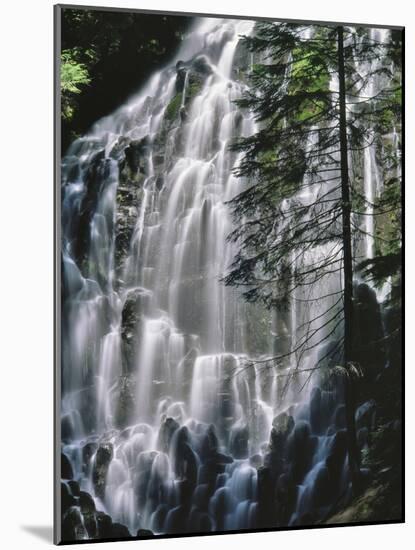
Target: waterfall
{"points": [[163, 422]]}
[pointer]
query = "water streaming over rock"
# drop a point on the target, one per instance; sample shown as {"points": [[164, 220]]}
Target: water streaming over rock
{"points": [[162, 421]]}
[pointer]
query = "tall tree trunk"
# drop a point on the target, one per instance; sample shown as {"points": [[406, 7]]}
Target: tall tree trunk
{"points": [[349, 390]]}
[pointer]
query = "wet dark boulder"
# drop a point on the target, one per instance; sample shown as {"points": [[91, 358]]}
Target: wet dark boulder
{"points": [[184, 492], [90, 523], [199, 521], [323, 491], [104, 525], [307, 519], [67, 498], [203, 524], [282, 426], [128, 201], [102, 461], [86, 503], [133, 169], [201, 496], [144, 533], [95, 175], [66, 467], [134, 308], [72, 281], [185, 462], [322, 408], [340, 417], [285, 498], [74, 487], [276, 457], [188, 466], [120, 531], [67, 428], [219, 506], [316, 419], [237, 124], [136, 158], [160, 178], [362, 438], [73, 525], [221, 458], [266, 497], [210, 470], [300, 436], [158, 518], [181, 72], [136, 304], [167, 429], [202, 66], [176, 520], [239, 442], [336, 457], [301, 447], [393, 332], [143, 468], [366, 415], [209, 444], [367, 476], [331, 398], [117, 150], [256, 461], [190, 78], [88, 451], [274, 462], [184, 114], [368, 330]]}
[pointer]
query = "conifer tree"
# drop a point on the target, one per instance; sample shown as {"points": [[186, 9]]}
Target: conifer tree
{"points": [[300, 220]]}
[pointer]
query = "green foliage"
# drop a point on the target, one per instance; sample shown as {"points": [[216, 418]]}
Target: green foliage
{"points": [[74, 76], [310, 77]]}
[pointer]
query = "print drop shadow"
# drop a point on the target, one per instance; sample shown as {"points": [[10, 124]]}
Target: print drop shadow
{"points": [[42, 532]]}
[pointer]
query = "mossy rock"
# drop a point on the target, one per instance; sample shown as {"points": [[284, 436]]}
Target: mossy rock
{"points": [[173, 108], [373, 505]]}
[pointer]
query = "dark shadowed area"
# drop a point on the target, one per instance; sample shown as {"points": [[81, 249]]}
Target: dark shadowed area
{"points": [[107, 56]]}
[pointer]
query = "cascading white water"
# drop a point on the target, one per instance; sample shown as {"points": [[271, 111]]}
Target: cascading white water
{"points": [[198, 421]]}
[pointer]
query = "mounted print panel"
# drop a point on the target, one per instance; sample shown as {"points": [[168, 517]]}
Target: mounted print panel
{"points": [[229, 293]]}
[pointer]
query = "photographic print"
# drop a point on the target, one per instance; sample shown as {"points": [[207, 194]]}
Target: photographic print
{"points": [[229, 274]]}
